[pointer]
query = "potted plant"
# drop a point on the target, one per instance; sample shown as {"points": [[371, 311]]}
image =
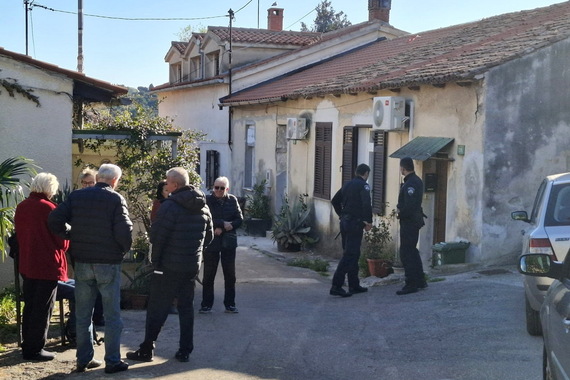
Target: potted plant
{"points": [[377, 250], [141, 247], [258, 214], [135, 296], [291, 226]]}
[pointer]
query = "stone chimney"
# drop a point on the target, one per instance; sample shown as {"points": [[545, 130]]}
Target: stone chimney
{"points": [[275, 19], [379, 10]]}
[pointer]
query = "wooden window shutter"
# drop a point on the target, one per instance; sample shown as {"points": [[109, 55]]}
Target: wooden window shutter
{"points": [[349, 152], [323, 147], [212, 167], [379, 172]]}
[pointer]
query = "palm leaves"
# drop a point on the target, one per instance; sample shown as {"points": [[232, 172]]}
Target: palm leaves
{"points": [[12, 174]]}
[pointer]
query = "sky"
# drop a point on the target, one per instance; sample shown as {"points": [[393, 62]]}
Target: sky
{"points": [[128, 52]]}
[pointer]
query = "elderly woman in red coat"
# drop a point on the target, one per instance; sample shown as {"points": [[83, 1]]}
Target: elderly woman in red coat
{"points": [[42, 263]]}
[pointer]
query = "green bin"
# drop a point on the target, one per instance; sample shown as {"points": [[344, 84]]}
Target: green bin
{"points": [[449, 252]]}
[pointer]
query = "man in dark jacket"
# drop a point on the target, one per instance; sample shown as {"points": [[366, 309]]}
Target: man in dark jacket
{"points": [[352, 203], [181, 231], [411, 219], [99, 237]]}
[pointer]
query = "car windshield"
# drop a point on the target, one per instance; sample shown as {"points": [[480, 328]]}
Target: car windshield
{"points": [[558, 210]]}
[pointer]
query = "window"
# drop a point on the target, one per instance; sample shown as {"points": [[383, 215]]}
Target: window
{"points": [[212, 167], [379, 172], [213, 64], [195, 69], [349, 153], [249, 156], [323, 147]]}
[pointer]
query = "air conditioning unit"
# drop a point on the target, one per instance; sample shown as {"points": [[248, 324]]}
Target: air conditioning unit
{"points": [[297, 129], [389, 113]]}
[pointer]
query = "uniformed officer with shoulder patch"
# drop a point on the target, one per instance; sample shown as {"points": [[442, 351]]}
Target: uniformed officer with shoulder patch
{"points": [[411, 218], [352, 203]]}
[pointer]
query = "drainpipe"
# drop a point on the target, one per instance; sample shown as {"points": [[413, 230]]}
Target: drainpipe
{"points": [[230, 110]]}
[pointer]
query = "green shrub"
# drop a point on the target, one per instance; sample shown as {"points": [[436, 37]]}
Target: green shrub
{"points": [[318, 265]]}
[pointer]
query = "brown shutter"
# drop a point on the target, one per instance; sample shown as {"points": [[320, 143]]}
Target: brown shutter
{"points": [[323, 147], [349, 151], [379, 172]]}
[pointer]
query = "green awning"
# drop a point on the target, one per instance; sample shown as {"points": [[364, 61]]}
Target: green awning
{"points": [[421, 148]]}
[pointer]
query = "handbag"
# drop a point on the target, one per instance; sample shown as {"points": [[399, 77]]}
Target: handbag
{"points": [[229, 241]]}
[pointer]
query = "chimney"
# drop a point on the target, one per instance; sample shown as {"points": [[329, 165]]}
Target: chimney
{"points": [[379, 10], [275, 19]]}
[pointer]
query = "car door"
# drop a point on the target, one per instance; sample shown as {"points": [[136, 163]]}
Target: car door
{"points": [[557, 219], [556, 325]]}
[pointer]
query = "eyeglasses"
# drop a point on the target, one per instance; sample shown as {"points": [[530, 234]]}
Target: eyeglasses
{"points": [[87, 183], [219, 187]]}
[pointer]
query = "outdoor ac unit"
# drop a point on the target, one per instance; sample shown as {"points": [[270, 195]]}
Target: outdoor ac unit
{"points": [[389, 113], [297, 128]]}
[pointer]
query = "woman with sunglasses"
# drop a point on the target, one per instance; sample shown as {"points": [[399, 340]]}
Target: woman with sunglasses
{"points": [[227, 217]]}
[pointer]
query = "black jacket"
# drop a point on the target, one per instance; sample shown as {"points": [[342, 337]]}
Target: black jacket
{"points": [[353, 200], [410, 200], [224, 209], [183, 227], [100, 226]]}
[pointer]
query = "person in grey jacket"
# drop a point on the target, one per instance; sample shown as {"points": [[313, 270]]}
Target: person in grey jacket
{"points": [[182, 229], [100, 235]]}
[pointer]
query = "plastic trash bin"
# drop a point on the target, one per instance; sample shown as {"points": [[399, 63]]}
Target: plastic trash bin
{"points": [[449, 252]]}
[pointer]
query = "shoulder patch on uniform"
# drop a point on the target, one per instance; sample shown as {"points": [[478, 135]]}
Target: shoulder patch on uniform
{"points": [[367, 187], [411, 190]]}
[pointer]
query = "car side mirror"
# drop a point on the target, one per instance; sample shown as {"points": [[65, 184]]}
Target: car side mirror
{"points": [[520, 215], [540, 265]]}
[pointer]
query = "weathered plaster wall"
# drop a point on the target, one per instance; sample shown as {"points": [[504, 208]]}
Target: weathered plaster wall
{"points": [[527, 138], [40, 133]]}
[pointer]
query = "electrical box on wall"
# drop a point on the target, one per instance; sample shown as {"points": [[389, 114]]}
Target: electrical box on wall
{"points": [[391, 113], [297, 128]]}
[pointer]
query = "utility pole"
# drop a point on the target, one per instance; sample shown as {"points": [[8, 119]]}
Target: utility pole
{"points": [[230, 111], [80, 36], [27, 9]]}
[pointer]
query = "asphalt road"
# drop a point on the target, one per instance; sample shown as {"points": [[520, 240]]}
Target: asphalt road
{"points": [[468, 326]]}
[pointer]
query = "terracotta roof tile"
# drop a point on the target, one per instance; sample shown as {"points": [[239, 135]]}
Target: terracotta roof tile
{"points": [[247, 35], [180, 46], [455, 53]]}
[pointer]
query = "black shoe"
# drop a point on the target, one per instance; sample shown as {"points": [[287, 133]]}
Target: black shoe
{"points": [[407, 290], [339, 291], [42, 356], [119, 367], [358, 289], [205, 310], [231, 309], [92, 364], [139, 355], [182, 356], [423, 285]]}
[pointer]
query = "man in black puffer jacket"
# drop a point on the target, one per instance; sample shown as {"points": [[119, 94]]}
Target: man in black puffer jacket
{"points": [[100, 235], [182, 229]]}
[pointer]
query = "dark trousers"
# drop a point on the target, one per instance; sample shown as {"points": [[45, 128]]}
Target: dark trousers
{"points": [[163, 289], [351, 232], [211, 260], [409, 254], [39, 299]]}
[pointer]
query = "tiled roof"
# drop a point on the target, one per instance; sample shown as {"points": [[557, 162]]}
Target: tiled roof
{"points": [[247, 35], [438, 56], [180, 46]]}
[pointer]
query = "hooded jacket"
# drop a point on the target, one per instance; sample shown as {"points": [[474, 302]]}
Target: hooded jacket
{"points": [[182, 229]]}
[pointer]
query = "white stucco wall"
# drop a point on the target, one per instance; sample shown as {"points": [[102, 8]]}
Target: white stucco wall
{"points": [[39, 133]]}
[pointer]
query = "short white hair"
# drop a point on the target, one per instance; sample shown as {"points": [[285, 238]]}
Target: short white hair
{"points": [[179, 176], [108, 172], [225, 181], [45, 183]]}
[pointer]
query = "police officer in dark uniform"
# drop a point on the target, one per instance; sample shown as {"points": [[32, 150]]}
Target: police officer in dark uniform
{"points": [[411, 218], [352, 203]]}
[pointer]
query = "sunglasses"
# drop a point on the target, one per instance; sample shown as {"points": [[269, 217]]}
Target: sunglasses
{"points": [[219, 187]]}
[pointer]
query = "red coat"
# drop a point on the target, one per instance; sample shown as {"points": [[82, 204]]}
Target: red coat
{"points": [[41, 253]]}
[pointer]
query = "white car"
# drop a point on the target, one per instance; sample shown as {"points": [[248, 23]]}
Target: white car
{"points": [[548, 233]]}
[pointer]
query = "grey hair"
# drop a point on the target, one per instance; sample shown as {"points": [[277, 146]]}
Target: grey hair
{"points": [[225, 180], [86, 172], [45, 183], [179, 176], [108, 172]]}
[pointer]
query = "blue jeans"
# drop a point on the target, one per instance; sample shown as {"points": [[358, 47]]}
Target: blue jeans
{"points": [[105, 278]]}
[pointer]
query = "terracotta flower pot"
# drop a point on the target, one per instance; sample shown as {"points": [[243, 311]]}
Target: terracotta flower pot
{"points": [[378, 267]]}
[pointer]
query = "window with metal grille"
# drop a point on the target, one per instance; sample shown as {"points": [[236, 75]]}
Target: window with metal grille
{"points": [[379, 172], [212, 167], [323, 147]]}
